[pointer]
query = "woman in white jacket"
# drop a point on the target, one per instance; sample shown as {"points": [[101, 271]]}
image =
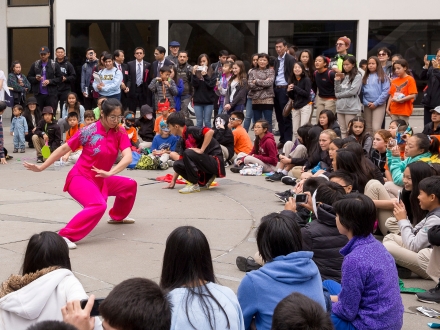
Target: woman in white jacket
{"points": [[45, 286]]}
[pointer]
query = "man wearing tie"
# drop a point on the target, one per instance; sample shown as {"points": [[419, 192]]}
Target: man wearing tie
{"points": [[161, 61], [139, 77], [118, 57]]}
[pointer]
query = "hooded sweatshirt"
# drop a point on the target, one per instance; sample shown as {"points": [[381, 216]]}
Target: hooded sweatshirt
{"points": [[322, 237], [267, 151], [261, 290], [224, 135], [40, 299], [146, 126]]}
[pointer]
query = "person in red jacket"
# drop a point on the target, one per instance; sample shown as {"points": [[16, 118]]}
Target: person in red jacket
{"points": [[263, 153]]}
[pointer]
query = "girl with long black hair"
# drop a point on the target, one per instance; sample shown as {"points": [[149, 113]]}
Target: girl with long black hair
{"points": [[188, 274], [327, 120]]}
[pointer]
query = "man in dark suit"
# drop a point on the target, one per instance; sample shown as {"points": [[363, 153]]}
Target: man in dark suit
{"points": [[139, 72], [161, 61], [283, 70], [119, 57]]}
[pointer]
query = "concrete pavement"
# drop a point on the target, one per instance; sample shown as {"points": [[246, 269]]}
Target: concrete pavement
{"points": [[228, 214]]}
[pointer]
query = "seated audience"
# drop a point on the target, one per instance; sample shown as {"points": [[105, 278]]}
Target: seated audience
{"points": [[378, 154], [44, 287], [344, 179], [73, 155], [287, 269], [188, 275], [223, 134], [53, 325], [369, 295], [357, 131], [145, 126], [327, 120], [433, 128], [164, 144], [242, 141]]}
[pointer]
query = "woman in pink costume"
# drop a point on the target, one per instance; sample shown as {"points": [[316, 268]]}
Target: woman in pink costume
{"points": [[93, 179]]}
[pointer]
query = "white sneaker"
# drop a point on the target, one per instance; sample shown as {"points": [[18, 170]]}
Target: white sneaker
{"points": [[190, 188], [127, 220], [70, 244]]}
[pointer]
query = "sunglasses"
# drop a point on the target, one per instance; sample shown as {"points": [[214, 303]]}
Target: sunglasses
{"points": [[382, 54], [234, 119]]}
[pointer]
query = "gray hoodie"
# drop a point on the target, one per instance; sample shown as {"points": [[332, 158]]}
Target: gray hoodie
{"points": [[346, 92]]}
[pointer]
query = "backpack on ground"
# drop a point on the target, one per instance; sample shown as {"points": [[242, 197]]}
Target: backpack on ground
{"points": [[147, 163]]}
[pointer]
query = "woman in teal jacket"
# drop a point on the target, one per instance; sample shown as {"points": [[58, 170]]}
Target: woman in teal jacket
{"points": [[419, 147]]}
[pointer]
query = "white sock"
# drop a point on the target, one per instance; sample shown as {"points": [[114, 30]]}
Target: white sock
{"points": [[279, 170], [284, 172]]}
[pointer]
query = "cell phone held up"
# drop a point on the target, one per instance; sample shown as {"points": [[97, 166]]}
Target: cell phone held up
{"points": [[301, 198], [391, 144], [95, 308]]}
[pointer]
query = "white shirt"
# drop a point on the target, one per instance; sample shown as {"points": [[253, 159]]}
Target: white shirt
{"points": [[280, 80]]}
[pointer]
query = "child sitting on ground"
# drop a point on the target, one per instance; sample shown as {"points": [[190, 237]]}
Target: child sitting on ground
{"points": [[98, 109], [129, 120], [89, 117], [72, 156], [19, 128], [357, 130], [146, 126], [242, 141], [163, 108], [163, 144], [433, 128], [47, 132]]}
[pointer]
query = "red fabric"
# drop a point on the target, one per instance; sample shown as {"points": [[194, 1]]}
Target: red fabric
{"points": [[168, 178], [205, 130]]}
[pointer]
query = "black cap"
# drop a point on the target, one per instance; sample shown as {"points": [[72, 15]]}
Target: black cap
{"points": [[47, 109], [44, 50], [31, 100]]}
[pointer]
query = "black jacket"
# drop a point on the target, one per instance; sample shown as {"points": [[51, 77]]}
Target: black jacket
{"points": [[431, 97], [126, 78], [27, 115], [429, 128], [54, 77], [224, 135], [67, 71], [289, 62], [146, 126], [203, 89], [323, 238], [146, 79], [300, 94], [302, 216], [154, 72], [52, 130], [240, 96]]}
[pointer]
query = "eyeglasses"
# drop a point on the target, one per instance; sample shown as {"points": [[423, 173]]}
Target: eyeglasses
{"points": [[382, 54], [234, 119], [113, 118], [340, 44]]}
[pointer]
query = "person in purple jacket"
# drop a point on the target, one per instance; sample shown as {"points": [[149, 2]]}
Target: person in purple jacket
{"points": [[369, 295]]}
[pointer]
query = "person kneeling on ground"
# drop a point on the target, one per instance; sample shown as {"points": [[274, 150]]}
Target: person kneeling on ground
{"points": [[411, 246], [201, 158], [299, 312], [136, 303], [369, 275]]}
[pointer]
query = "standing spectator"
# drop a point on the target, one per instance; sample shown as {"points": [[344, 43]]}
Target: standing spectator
{"points": [[375, 88], [111, 78], [174, 51], [184, 71], [163, 87], [249, 112], [403, 92], [384, 56], [161, 61], [203, 81], [139, 76], [45, 75], [342, 46], [32, 113], [431, 97], [19, 83], [19, 128], [217, 68], [283, 69], [325, 84], [261, 92], [86, 79], [305, 57], [347, 90], [3, 151], [68, 76], [3, 86], [119, 57], [235, 99], [298, 90]]}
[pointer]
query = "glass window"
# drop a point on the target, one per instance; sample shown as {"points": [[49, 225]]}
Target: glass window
{"points": [[238, 38], [24, 45], [318, 36], [13, 3], [411, 39]]}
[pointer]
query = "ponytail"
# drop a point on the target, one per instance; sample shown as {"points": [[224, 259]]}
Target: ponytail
{"points": [[434, 146]]}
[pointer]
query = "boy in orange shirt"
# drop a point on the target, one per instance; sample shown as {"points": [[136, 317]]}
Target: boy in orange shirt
{"points": [[403, 91], [129, 119], [72, 156], [163, 107], [242, 141]]}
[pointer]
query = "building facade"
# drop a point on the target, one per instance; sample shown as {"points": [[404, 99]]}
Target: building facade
{"points": [[242, 27]]}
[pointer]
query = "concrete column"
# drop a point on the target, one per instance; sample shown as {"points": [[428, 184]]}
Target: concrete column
{"points": [[362, 39], [263, 36], [163, 34], [3, 38]]}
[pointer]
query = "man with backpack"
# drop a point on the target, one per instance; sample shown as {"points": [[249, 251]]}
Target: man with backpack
{"points": [[86, 79], [45, 76], [183, 71]]}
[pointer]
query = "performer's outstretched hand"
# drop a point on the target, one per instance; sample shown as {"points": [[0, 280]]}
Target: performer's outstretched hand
{"points": [[170, 186], [32, 167], [101, 173]]}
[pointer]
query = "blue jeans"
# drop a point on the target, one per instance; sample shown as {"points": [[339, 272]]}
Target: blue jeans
{"points": [[220, 108], [249, 115], [114, 96], [334, 288], [263, 114], [203, 114]]}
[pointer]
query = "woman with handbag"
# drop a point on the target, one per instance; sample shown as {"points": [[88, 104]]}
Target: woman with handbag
{"points": [[299, 96], [19, 84], [260, 83]]}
